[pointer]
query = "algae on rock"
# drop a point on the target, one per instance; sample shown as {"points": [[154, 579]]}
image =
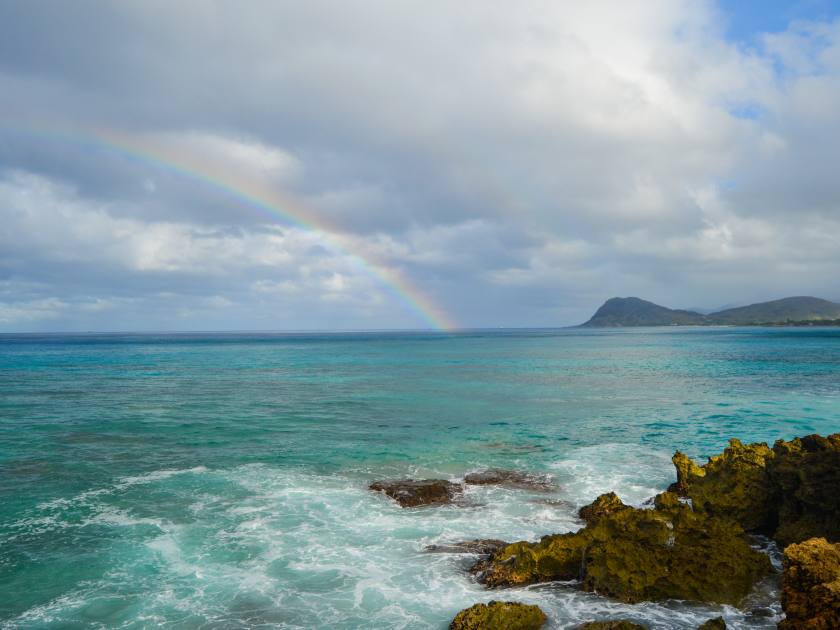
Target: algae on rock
{"points": [[499, 616], [636, 555], [789, 492]]}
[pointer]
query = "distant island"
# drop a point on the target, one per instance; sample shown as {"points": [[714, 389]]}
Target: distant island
{"points": [[792, 311]]}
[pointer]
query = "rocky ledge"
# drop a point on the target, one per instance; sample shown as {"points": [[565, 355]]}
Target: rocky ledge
{"points": [[669, 552], [499, 616], [415, 492]]}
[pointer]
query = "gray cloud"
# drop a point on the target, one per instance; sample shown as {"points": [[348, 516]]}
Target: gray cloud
{"points": [[518, 164]]}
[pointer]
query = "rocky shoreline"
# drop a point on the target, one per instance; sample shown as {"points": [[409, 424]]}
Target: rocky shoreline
{"points": [[694, 542]]}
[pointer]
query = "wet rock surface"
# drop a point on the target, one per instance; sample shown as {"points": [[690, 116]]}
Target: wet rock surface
{"points": [[499, 616], [811, 586], [509, 479], [481, 546], [414, 492], [789, 492], [634, 555], [717, 623]]}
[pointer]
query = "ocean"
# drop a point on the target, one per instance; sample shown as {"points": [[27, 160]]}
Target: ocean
{"points": [[220, 480]]}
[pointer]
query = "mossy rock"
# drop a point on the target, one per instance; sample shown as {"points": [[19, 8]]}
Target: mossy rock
{"points": [[621, 624], [806, 473], [639, 555], [605, 504], [499, 616], [635, 555], [717, 623], [811, 586], [788, 492], [734, 484]]}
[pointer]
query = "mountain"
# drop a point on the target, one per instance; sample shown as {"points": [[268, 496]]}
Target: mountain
{"points": [[632, 311], [792, 309]]}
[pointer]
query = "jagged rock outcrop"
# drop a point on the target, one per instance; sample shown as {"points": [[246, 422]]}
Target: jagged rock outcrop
{"points": [[635, 555], [499, 616], [480, 546], [733, 484], [414, 492], [717, 623], [605, 504], [620, 624], [509, 479], [789, 492], [806, 473], [811, 586]]}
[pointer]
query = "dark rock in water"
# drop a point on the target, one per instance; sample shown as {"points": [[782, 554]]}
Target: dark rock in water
{"points": [[789, 491], [811, 586], [762, 611], [509, 479], [717, 623], [635, 555], [413, 492], [605, 504], [619, 624], [481, 546], [499, 616]]}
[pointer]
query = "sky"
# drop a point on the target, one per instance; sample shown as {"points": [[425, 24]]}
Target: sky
{"points": [[371, 164]]}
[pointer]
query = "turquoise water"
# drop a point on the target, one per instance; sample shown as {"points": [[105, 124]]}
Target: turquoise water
{"points": [[219, 481]]}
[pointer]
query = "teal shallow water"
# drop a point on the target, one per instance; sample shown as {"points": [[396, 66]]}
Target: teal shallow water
{"points": [[204, 481]]}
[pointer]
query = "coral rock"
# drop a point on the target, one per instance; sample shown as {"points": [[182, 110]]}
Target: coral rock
{"points": [[811, 586], [499, 616]]}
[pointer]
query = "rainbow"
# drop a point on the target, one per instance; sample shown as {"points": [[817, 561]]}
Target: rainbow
{"points": [[149, 151]]}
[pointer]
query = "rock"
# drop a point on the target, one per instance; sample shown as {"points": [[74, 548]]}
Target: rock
{"points": [[603, 505], [620, 624], [499, 616], [734, 484], [717, 623], [788, 492], [481, 546], [508, 478], [811, 586], [806, 474], [412, 492], [635, 555]]}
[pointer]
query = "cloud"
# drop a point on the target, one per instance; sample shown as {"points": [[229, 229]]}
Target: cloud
{"points": [[519, 164]]}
